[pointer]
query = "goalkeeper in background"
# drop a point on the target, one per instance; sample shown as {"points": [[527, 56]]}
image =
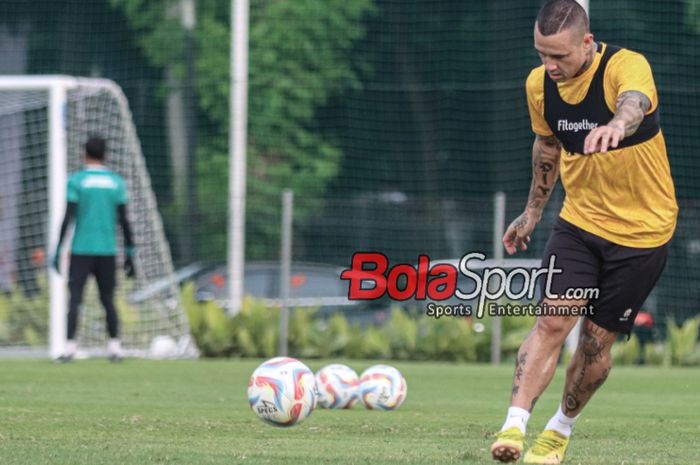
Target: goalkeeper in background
{"points": [[96, 200], [594, 110]]}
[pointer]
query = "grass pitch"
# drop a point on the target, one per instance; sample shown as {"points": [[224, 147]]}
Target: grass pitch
{"points": [[196, 412]]}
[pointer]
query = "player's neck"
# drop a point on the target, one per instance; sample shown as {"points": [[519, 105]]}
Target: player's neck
{"points": [[590, 58], [95, 165]]}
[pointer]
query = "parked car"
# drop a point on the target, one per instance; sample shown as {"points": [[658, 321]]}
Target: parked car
{"points": [[311, 285]]}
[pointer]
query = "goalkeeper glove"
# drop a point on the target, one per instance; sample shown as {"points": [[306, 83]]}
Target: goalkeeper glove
{"points": [[129, 269], [56, 260]]}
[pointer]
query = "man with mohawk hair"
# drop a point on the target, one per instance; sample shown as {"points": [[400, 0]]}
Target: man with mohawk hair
{"points": [[594, 111]]}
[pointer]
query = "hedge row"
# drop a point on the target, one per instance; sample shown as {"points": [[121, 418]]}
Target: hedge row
{"points": [[254, 332]]}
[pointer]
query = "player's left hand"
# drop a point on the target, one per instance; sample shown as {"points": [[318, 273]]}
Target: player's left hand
{"points": [[603, 138], [56, 260]]}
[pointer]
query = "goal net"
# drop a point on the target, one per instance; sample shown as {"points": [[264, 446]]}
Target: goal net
{"points": [[44, 123]]}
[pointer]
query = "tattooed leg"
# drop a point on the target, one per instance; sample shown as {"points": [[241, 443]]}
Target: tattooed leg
{"points": [[537, 358], [589, 367]]}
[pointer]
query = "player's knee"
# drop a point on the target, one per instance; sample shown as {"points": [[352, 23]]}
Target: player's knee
{"points": [[554, 329]]}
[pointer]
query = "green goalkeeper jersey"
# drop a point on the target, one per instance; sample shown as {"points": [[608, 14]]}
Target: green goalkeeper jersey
{"points": [[98, 192]]}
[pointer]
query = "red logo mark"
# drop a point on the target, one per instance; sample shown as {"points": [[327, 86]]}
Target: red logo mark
{"points": [[401, 282]]}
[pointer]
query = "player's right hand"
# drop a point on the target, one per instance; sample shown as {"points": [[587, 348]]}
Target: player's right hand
{"points": [[517, 235], [129, 270]]}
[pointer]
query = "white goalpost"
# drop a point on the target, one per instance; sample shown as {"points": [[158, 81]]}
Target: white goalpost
{"points": [[44, 122]]}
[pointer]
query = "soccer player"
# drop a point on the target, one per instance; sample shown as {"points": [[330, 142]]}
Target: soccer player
{"points": [[96, 200], [594, 110]]}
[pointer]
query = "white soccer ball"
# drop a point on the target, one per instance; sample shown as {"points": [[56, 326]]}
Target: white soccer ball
{"points": [[338, 386], [382, 387], [281, 391], [162, 347]]}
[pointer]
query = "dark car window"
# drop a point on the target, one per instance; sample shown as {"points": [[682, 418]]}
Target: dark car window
{"points": [[262, 281], [317, 284], [259, 283]]}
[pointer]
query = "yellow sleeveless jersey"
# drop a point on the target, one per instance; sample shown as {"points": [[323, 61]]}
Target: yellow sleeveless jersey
{"points": [[626, 195]]}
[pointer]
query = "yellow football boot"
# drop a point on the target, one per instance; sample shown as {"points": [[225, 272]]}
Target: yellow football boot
{"points": [[508, 445], [549, 448]]}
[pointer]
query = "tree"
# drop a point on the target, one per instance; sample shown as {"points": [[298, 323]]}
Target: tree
{"points": [[299, 58], [693, 16]]}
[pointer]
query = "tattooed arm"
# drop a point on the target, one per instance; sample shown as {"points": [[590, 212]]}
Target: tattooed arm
{"points": [[545, 171], [631, 106]]}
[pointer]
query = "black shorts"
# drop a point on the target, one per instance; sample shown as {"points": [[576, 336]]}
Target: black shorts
{"points": [[625, 276], [103, 268]]}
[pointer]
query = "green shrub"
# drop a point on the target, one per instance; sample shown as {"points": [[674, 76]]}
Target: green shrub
{"points": [[256, 328], [626, 352], [334, 336], [254, 332], [195, 316], [4, 319], [25, 319], [682, 342], [694, 358], [401, 331], [369, 343], [482, 330], [447, 338], [304, 333], [514, 330], [654, 354], [211, 328]]}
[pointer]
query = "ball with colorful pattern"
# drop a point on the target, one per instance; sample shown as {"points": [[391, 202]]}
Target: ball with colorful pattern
{"points": [[382, 387], [338, 386], [281, 391]]}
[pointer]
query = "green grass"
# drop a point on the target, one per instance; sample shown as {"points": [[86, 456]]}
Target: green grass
{"points": [[185, 412]]}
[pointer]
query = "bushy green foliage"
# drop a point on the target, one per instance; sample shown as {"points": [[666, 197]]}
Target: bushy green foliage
{"points": [[682, 342], [626, 352], [254, 333], [402, 332], [693, 14], [251, 333], [514, 330], [304, 336], [256, 329], [24, 319], [334, 337], [654, 354], [446, 339], [370, 343], [299, 57]]}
